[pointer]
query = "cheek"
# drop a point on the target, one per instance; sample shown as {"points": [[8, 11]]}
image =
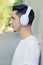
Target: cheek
{"points": [[17, 23]]}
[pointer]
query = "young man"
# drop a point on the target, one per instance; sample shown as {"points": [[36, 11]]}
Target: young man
{"points": [[28, 50]]}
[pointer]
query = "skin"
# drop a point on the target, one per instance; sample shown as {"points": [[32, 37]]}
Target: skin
{"points": [[15, 23]]}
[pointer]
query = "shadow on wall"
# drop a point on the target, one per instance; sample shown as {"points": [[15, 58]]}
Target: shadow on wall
{"points": [[8, 43]]}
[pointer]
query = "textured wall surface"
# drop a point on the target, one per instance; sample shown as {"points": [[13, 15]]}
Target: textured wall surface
{"points": [[38, 21]]}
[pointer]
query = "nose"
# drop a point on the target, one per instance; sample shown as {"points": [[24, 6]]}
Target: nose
{"points": [[10, 22]]}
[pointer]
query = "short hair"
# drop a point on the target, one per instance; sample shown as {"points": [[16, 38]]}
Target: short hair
{"points": [[21, 9]]}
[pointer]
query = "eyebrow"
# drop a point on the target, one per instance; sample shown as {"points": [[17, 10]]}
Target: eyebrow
{"points": [[12, 17]]}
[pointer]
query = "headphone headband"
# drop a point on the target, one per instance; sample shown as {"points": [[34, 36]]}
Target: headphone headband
{"points": [[28, 10]]}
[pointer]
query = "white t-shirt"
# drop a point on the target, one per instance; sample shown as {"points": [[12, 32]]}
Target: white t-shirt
{"points": [[27, 52]]}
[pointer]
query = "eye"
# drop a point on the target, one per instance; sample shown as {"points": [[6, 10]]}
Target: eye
{"points": [[12, 17]]}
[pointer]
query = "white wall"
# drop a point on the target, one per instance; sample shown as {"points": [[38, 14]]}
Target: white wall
{"points": [[38, 21]]}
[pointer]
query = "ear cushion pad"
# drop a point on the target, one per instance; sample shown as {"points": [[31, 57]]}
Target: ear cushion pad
{"points": [[24, 20]]}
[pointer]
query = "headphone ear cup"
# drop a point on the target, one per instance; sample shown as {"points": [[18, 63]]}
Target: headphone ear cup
{"points": [[24, 20]]}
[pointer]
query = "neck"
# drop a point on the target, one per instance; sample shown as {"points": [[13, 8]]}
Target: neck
{"points": [[25, 32]]}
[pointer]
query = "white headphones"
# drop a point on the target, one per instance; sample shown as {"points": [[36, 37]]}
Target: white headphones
{"points": [[24, 19]]}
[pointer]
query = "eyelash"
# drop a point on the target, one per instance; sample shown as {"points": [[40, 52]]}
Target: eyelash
{"points": [[12, 17]]}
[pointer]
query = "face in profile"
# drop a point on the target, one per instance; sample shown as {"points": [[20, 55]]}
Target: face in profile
{"points": [[14, 22]]}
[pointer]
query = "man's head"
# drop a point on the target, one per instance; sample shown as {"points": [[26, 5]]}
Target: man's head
{"points": [[18, 12]]}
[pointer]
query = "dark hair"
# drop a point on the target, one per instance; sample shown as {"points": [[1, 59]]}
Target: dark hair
{"points": [[21, 9]]}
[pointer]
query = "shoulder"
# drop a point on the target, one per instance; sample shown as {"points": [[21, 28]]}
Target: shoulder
{"points": [[33, 42], [33, 39], [33, 45]]}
